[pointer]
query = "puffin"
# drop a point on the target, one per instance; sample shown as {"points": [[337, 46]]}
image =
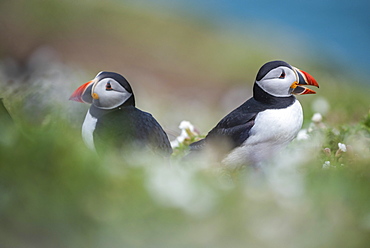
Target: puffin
{"points": [[259, 128], [113, 121]]}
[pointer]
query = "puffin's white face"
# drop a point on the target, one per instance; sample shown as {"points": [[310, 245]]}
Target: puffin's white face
{"points": [[279, 82], [108, 90], [108, 94]]}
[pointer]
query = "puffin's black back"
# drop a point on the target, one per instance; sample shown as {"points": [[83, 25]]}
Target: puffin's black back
{"points": [[128, 126], [235, 127]]}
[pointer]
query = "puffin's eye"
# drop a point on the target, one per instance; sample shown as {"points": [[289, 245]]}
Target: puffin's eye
{"points": [[108, 86], [282, 76]]}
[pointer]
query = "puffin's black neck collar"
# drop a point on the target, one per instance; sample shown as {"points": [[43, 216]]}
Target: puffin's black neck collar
{"points": [[263, 97]]}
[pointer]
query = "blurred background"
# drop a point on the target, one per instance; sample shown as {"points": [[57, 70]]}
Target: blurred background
{"points": [[182, 56], [186, 60]]}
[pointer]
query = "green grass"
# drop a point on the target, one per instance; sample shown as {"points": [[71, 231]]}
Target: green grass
{"points": [[55, 192]]}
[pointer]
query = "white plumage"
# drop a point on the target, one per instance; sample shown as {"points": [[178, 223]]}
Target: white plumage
{"points": [[265, 123], [88, 128], [266, 140]]}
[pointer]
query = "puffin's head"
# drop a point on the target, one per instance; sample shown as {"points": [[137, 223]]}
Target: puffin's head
{"points": [[108, 90], [280, 79]]}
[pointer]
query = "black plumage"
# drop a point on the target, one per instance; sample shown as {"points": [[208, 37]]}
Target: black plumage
{"points": [[265, 123], [113, 121], [128, 127], [235, 127]]}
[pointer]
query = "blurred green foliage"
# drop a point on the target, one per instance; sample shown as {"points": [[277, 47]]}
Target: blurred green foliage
{"points": [[57, 193]]}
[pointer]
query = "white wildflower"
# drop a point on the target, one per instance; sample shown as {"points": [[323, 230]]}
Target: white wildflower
{"points": [[303, 135], [342, 147], [326, 165], [317, 117], [174, 143], [186, 125], [187, 129]]}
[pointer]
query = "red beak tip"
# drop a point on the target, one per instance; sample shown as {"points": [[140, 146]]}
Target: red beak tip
{"points": [[309, 91], [310, 79], [77, 94]]}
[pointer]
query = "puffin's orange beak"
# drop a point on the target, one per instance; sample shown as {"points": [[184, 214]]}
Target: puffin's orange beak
{"points": [[79, 92], [303, 79]]}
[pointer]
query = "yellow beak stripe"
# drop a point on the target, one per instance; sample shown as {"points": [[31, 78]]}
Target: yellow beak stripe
{"points": [[294, 85]]}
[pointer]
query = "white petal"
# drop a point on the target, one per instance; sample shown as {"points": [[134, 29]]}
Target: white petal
{"points": [[175, 143], [302, 135], [326, 165], [317, 117], [342, 147], [186, 125]]}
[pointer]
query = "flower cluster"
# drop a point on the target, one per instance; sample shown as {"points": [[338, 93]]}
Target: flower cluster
{"points": [[335, 146], [338, 154], [317, 126], [187, 135]]}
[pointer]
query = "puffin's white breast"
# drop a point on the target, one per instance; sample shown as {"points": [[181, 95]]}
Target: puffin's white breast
{"points": [[88, 128], [273, 130]]}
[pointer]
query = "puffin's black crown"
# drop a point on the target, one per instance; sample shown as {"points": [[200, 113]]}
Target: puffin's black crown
{"points": [[269, 66], [118, 77]]}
